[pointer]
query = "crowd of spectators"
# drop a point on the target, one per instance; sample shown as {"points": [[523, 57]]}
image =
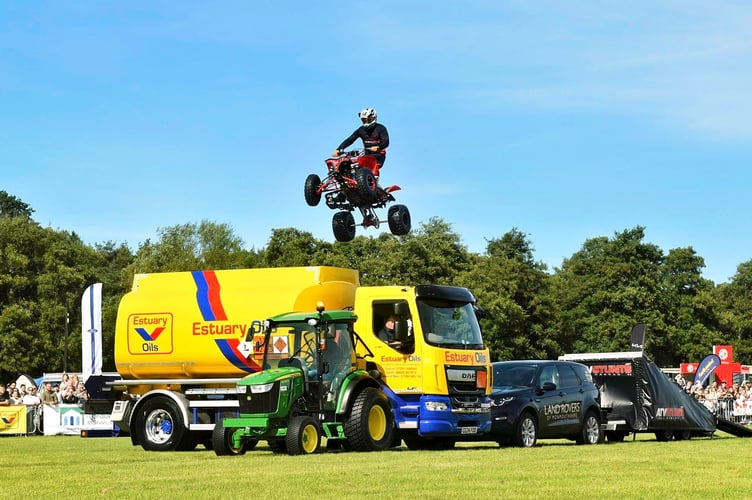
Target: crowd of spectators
{"points": [[732, 401], [70, 390]]}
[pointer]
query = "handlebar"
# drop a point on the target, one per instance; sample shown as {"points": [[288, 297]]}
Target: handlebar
{"points": [[352, 153]]}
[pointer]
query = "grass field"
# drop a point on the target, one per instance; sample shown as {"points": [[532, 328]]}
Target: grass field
{"points": [[72, 467]]}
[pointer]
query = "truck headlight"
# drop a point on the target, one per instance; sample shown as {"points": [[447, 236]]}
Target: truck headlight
{"points": [[436, 406], [258, 389], [241, 389]]}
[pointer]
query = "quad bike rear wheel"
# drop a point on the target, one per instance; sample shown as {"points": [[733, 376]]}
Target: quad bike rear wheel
{"points": [[312, 185], [367, 187], [399, 220], [343, 226]]}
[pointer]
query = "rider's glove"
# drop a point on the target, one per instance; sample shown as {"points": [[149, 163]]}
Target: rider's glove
{"points": [[336, 153], [374, 149]]}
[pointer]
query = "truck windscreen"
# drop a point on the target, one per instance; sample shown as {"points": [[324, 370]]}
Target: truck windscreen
{"points": [[451, 325]]}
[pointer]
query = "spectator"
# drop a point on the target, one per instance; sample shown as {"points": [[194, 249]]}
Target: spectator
{"points": [[80, 394], [31, 398], [15, 397], [48, 395], [4, 396], [68, 393]]}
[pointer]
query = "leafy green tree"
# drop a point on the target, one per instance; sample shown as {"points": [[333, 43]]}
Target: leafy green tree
{"points": [[735, 319], [10, 206], [42, 274], [290, 247], [186, 247], [690, 319], [604, 289], [513, 288]]}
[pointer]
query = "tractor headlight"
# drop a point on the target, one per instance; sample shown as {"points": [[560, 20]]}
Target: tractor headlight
{"points": [[259, 389]]}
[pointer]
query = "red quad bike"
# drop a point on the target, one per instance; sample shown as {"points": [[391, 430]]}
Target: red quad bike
{"points": [[350, 184]]}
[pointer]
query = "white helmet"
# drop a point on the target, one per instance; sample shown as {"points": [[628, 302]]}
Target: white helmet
{"points": [[367, 116]]}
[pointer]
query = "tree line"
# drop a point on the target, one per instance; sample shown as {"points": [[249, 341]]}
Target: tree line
{"points": [[589, 304]]}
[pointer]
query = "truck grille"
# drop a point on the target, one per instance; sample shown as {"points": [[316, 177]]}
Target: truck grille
{"points": [[461, 380], [265, 402]]}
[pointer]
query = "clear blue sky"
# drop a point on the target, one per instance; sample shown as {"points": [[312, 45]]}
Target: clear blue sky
{"points": [[567, 120]]}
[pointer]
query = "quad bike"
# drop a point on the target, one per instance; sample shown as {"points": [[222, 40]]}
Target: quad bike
{"points": [[350, 184]]}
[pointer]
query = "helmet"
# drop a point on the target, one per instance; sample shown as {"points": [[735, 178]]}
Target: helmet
{"points": [[367, 116]]}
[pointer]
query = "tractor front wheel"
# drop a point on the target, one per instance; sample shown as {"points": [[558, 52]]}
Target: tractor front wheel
{"points": [[303, 436]]}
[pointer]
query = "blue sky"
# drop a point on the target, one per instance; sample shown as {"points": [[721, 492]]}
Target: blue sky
{"points": [[566, 120]]}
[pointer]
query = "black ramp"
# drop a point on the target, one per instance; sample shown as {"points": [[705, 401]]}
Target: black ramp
{"points": [[732, 428]]}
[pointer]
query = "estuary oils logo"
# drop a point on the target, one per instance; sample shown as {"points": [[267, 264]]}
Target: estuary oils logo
{"points": [[150, 333]]}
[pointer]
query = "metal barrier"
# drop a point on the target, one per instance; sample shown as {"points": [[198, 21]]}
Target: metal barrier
{"points": [[733, 410]]}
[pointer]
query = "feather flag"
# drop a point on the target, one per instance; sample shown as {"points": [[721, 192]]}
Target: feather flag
{"points": [[91, 331]]}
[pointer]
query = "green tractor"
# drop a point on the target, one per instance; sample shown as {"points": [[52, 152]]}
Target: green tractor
{"points": [[311, 386]]}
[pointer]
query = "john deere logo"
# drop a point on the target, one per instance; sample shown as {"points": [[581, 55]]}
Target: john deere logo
{"points": [[150, 333]]}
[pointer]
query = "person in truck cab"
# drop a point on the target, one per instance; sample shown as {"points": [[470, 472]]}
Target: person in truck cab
{"points": [[375, 138]]}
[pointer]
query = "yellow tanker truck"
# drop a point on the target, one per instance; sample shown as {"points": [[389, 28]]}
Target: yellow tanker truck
{"points": [[184, 340]]}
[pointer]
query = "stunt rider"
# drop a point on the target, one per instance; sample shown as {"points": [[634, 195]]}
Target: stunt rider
{"points": [[375, 139]]}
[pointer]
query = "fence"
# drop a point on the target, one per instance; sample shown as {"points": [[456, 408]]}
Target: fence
{"points": [[733, 410]]}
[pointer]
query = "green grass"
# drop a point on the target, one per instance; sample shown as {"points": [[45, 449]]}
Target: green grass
{"points": [[73, 467]]}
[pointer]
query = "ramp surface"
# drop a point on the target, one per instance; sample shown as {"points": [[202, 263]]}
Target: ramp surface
{"points": [[733, 428]]}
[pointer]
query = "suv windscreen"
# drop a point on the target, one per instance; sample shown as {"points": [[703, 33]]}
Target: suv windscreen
{"points": [[514, 375]]}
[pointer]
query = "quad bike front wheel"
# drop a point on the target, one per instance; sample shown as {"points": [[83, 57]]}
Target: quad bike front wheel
{"points": [[343, 226], [312, 185], [399, 220]]}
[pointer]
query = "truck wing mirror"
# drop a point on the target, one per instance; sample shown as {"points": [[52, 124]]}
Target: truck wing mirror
{"points": [[401, 309], [400, 330]]}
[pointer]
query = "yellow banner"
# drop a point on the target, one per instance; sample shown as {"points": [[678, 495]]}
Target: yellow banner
{"points": [[12, 419]]}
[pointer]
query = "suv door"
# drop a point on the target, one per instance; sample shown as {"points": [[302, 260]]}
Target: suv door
{"points": [[573, 395], [548, 401]]}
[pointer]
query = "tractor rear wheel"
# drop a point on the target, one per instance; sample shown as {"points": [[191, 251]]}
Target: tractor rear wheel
{"points": [[370, 426]]}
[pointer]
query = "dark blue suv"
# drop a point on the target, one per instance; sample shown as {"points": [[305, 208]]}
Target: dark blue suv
{"points": [[543, 399]]}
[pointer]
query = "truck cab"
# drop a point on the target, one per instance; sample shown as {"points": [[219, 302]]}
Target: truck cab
{"points": [[436, 373]]}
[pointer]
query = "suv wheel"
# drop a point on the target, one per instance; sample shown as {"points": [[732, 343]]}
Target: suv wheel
{"points": [[526, 432], [591, 429]]}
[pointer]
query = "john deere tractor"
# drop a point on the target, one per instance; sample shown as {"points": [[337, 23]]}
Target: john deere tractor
{"points": [[311, 386]]}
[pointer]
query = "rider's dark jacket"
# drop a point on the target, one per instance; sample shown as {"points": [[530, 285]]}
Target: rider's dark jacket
{"points": [[374, 134]]}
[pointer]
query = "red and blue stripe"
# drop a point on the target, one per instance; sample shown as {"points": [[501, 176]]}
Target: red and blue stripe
{"points": [[207, 296], [210, 305]]}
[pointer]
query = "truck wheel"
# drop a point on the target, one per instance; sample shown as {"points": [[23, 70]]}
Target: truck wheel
{"points": [[343, 226], [303, 436], [591, 430], [222, 441], [526, 432], [367, 187], [312, 185], [399, 220], [369, 426], [160, 428]]}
